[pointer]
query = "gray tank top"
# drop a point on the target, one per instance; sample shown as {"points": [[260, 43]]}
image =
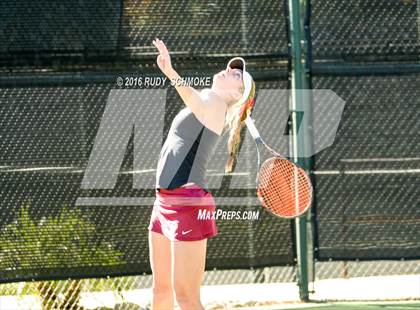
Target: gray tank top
{"points": [[185, 153]]}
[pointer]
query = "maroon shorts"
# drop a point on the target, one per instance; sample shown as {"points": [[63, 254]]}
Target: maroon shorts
{"points": [[184, 214]]}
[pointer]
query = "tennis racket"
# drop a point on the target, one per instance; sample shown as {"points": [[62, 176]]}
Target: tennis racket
{"points": [[283, 188]]}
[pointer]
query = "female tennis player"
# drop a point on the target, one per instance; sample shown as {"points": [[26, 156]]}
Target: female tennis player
{"points": [[177, 235]]}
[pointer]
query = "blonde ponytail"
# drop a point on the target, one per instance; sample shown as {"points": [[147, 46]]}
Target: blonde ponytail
{"points": [[235, 121], [235, 126]]}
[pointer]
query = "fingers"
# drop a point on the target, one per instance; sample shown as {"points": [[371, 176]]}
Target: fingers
{"points": [[161, 47]]}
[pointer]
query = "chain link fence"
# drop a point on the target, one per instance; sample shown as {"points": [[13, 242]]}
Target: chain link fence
{"points": [[59, 64]]}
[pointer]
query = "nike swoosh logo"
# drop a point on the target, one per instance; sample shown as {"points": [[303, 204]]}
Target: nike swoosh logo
{"points": [[186, 232]]}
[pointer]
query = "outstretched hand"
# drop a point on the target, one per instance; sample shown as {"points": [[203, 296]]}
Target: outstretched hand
{"points": [[163, 59]]}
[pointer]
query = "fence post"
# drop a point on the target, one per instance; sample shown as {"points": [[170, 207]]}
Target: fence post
{"points": [[300, 138]]}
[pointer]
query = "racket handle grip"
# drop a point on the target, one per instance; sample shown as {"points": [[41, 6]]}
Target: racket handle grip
{"points": [[252, 129]]}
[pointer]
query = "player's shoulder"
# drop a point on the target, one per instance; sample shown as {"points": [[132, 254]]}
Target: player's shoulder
{"points": [[211, 99]]}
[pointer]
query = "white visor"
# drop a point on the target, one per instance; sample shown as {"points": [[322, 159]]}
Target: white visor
{"points": [[239, 63]]}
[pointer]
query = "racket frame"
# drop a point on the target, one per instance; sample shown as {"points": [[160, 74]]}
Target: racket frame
{"points": [[259, 141]]}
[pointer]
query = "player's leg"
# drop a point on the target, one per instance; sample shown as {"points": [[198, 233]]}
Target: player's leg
{"points": [[160, 261], [189, 259]]}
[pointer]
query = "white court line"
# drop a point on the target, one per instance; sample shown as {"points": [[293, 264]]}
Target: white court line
{"points": [[380, 288]]}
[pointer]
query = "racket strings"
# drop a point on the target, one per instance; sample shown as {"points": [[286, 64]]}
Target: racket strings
{"points": [[283, 188]]}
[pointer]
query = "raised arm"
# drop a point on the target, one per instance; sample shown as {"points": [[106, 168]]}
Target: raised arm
{"points": [[188, 94]]}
